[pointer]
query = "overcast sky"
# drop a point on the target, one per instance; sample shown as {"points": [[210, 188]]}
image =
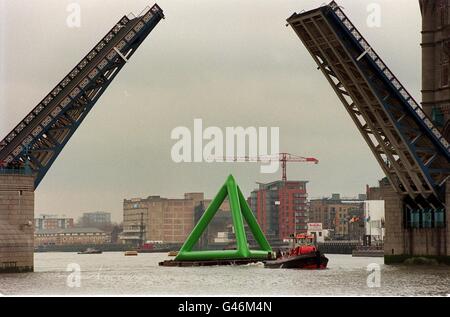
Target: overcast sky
{"points": [[228, 62]]}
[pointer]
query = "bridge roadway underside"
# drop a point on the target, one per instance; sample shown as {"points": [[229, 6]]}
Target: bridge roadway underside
{"points": [[402, 243], [16, 223]]}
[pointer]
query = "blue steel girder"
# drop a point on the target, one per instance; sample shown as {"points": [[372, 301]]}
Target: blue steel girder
{"points": [[37, 141], [412, 152]]}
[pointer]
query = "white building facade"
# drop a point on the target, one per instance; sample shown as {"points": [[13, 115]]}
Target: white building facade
{"points": [[374, 219]]}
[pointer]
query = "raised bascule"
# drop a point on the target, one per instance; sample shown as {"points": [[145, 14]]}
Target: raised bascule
{"points": [[412, 151], [38, 139], [29, 150]]}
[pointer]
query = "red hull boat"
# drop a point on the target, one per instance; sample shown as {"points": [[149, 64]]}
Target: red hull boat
{"points": [[300, 257], [311, 261]]}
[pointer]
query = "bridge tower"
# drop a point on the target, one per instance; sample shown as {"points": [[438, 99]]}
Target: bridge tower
{"points": [[436, 62], [408, 141], [29, 150]]}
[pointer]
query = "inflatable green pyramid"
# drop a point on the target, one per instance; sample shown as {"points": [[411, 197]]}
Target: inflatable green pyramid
{"points": [[240, 211]]}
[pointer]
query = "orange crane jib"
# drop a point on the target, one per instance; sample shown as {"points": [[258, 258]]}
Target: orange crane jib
{"points": [[281, 157]]}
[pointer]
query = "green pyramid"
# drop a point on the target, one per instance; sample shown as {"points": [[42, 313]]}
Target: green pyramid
{"points": [[240, 211]]}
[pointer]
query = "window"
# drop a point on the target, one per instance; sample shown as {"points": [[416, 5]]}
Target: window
{"points": [[445, 60], [443, 13], [444, 75]]}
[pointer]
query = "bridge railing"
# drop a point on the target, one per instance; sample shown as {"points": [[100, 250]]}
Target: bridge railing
{"points": [[61, 85], [62, 100]]}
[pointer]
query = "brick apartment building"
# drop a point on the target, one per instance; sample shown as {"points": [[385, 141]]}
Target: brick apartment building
{"points": [[281, 208], [164, 220], [343, 217]]}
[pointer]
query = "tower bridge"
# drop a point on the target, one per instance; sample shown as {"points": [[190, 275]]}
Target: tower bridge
{"points": [[411, 149], [410, 142], [29, 150]]}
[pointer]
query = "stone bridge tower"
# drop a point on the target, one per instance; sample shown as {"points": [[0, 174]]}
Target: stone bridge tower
{"points": [[436, 62]]}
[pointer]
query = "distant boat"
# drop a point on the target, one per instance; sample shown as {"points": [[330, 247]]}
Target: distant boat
{"points": [[131, 253], [90, 251], [173, 253], [152, 248]]}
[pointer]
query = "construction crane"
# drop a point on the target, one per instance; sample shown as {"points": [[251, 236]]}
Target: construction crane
{"points": [[284, 158]]}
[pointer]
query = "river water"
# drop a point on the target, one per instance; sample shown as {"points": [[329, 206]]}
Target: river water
{"points": [[115, 274]]}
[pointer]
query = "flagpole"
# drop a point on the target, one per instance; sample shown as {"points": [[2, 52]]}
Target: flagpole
{"points": [[370, 226]]}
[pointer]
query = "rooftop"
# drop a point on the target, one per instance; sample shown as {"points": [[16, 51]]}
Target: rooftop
{"points": [[68, 230], [279, 183]]}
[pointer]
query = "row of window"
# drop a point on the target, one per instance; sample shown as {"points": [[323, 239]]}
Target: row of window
{"points": [[425, 219], [69, 234], [444, 75]]}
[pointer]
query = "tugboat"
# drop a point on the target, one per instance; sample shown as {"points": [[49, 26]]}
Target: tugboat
{"points": [[303, 255], [90, 251], [150, 247]]}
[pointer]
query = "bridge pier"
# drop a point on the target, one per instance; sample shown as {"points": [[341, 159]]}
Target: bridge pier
{"points": [[402, 243], [16, 222]]}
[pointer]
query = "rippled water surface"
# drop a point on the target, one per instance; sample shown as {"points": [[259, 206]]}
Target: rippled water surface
{"points": [[114, 274]]}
